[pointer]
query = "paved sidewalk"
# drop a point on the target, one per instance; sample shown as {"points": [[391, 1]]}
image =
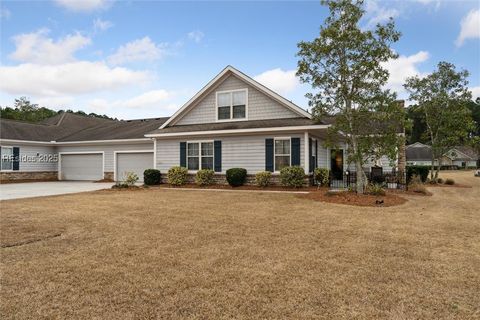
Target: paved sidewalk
{"points": [[39, 189]]}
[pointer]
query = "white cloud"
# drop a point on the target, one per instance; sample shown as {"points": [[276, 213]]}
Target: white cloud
{"points": [[470, 27], [196, 36], [138, 50], [404, 67], [279, 80], [377, 14], [55, 102], [153, 98], [70, 78], [475, 92], [5, 14], [83, 5], [36, 47], [101, 25]]}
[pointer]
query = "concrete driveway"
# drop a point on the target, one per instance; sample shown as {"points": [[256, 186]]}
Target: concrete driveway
{"points": [[39, 189]]}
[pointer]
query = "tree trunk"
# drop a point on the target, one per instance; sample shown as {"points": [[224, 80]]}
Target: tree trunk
{"points": [[360, 177], [432, 170]]}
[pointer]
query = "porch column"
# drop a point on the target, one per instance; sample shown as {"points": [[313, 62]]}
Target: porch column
{"points": [[306, 157], [154, 153]]}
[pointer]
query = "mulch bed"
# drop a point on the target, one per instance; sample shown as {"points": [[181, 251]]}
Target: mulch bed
{"points": [[448, 185], [244, 187], [353, 199]]}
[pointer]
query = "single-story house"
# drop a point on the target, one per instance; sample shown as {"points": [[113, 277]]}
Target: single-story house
{"points": [[461, 156], [233, 121]]}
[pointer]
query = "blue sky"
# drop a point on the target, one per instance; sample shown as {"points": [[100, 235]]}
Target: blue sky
{"points": [[136, 59]]}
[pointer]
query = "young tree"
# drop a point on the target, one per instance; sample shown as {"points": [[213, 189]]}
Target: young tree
{"points": [[344, 65], [443, 97]]}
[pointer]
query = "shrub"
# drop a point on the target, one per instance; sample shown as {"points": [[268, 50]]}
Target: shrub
{"points": [[375, 189], [262, 179], [421, 171], [151, 177], [292, 176], [236, 176], [177, 176], [450, 182], [418, 188], [129, 179], [440, 180], [321, 176], [204, 177]]}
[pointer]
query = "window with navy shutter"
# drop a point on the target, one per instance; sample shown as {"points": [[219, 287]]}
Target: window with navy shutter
{"points": [[218, 155], [295, 151], [16, 158], [183, 154], [269, 155]]}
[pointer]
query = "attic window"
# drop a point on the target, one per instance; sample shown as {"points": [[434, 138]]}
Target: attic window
{"points": [[232, 105]]}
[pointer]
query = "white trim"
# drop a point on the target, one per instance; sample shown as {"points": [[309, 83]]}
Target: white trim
{"points": [[79, 152], [115, 153], [199, 153], [253, 83], [11, 162], [239, 131], [231, 119], [281, 155], [25, 142], [306, 158]]}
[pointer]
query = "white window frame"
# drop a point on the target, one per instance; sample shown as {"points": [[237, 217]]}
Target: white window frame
{"points": [[231, 105], [275, 154], [11, 162], [200, 154]]}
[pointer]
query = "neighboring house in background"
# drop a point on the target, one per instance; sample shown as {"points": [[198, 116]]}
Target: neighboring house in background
{"points": [[421, 155], [232, 122]]}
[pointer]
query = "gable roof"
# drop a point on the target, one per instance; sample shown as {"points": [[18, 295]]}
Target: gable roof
{"points": [[418, 152], [222, 75], [464, 153]]}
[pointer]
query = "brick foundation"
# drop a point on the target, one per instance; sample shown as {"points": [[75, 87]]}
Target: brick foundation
{"points": [[250, 181], [18, 176]]}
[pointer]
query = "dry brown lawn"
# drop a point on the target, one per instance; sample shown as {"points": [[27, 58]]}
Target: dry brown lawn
{"points": [[233, 255]]}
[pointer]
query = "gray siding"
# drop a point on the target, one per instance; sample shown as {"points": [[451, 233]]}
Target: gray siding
{"points": [[29, 161], [237, 151], [108, 150], [260, 106]]}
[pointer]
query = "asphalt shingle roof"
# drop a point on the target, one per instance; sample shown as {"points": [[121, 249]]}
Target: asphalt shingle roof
{"points": [[72, 127]]}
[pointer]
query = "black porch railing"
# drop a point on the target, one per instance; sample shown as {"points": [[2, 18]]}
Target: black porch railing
{"points": [[348, 179]]}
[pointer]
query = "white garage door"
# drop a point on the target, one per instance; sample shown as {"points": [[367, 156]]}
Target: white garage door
{"points": [[81, 166], [136, 162]]}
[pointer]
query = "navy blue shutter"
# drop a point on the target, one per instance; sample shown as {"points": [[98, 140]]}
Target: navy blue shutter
{"points": [[16, 158], [295, 151], [183, 154], [217, 146], [269, 155], [316, 154], [310, 154]]}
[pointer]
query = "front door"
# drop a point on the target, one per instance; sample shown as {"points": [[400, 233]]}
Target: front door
{"points": [[336, 163]]}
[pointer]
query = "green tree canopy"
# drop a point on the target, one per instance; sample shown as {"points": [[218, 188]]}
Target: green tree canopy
{"points": [[344, 67], [443, 97]]}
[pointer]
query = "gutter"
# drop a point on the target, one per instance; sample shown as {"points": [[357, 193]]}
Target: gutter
{"points": [[237, 131]]}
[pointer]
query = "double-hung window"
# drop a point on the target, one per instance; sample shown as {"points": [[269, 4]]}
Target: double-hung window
{"points": [[282, 153], [199, 155], [232, 105], [7, 158]]}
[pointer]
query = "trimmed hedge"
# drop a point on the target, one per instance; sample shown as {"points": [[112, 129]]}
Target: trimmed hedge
{"points": [[262, 178], [292, 176], [321, 176], [236, 176], [177, 176], [421, 171], [151, 177], [204, 177]]}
